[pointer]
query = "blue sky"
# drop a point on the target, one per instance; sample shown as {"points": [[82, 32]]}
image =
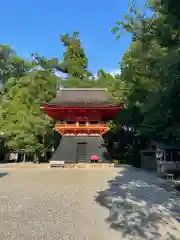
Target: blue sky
{"points": [[35, 26]]}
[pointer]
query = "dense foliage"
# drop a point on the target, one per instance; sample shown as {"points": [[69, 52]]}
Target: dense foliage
{"points": [[151, 70], [148, 83], [23, 124]]}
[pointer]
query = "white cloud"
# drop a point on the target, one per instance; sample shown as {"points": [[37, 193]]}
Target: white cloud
{"points": [[64, 75], [115, 72]]}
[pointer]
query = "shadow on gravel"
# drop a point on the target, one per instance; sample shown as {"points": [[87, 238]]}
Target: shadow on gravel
{"points": [[137, 204], [3, 174]]}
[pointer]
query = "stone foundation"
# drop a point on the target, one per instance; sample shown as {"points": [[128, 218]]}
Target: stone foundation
{"points": [[66, 165], [89, 165]]}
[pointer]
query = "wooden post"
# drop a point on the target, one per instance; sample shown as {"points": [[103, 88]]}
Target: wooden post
{"points": [[34, 158], [45, 155], [24, 157], [37, 160], [164, 155], [142, 161], [17, 157], [171, 156]]}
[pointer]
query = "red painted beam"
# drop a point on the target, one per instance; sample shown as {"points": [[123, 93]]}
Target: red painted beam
{"points": [[91, 113]]}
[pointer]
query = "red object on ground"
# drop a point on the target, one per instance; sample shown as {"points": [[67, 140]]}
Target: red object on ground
{"points": [[95, 158]]}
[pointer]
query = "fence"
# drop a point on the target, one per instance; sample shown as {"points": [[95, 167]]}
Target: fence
{"points": [[24, 156], [148, 160]]}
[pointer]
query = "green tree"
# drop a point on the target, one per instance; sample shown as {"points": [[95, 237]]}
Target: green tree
{"points": [[150, 68], [113, 84], [150, 71], [22, 121], [11, 64], [74, 61]]}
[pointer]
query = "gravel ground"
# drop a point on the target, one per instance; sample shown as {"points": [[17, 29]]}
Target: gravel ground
{"points": [[40, 203], [65, 204], [140, 207]]}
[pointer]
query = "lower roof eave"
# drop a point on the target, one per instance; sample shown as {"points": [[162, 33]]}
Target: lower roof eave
{"points": [[110, 106]]}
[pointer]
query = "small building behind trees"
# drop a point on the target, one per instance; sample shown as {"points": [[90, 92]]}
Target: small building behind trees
{"points": [[161, 157]]}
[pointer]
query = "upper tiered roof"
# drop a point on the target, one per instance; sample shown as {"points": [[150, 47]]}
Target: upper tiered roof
{"points": [[82, 96]]}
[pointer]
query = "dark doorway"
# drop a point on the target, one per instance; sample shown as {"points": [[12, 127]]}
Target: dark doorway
{"points": [[81, 152]]}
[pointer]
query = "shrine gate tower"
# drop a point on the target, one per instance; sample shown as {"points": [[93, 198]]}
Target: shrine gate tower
{"points": [[81, 116]]}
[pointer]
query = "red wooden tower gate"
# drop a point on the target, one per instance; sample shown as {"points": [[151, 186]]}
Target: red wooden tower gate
{"points": [[81, 115]]}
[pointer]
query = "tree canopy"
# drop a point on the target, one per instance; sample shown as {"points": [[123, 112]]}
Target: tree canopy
{"points": [[150, 67], [23, 123]]}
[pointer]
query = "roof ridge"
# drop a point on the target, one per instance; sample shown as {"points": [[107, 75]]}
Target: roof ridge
{"points": [[84, 96], [83, 89]]}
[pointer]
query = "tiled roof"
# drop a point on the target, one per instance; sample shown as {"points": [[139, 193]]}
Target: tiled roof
{"points": [[79, 96]]}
